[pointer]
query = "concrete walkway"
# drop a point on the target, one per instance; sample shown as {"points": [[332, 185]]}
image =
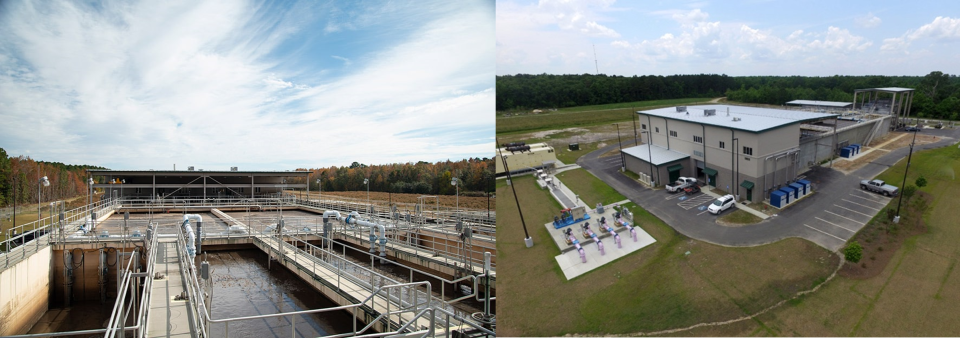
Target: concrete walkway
{"points": [[168, 317]]}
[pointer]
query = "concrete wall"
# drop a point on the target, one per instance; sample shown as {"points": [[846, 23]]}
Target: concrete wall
{"points": [[24, 293], [814, 150], [86, 279]]}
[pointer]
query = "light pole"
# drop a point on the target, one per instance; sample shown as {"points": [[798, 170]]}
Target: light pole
{"points": [[905, 170], [650, 156], [366, 182], [527, 240], [320, 192], [122, 182], [622, 167], [44, 182], [454, 182]]}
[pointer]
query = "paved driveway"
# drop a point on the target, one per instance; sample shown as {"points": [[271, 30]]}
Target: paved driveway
{"points": [[829, 218]]}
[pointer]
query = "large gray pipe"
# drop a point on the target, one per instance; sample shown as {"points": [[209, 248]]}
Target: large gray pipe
{"points": [[191, 237], [68, 277], [354, 218]]}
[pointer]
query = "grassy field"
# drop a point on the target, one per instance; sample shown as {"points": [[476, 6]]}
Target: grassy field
{"points": [[591, 189], [659, 287], [917, 294], [583, 116]]}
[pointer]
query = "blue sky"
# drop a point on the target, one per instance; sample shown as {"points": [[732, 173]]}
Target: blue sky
{"points": [[813, 38], [258, 85]]}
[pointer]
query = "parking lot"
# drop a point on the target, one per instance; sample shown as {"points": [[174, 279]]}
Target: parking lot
{"points": [[847, 215]]}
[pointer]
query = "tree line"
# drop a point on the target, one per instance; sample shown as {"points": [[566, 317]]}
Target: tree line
{"points": [[20, 179], [937, 94], [522, 91], [475, 176]]}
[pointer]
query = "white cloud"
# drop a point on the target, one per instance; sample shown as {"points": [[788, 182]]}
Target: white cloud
{"points": [[346, 61], [942, 29], [157, 83], [868, 21], [579, 16], [840, 40]]}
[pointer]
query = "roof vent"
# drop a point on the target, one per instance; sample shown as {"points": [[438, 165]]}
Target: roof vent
{"points": [[709, 112], [735, 119], [190, 168], [681, 109], [233, 168]]}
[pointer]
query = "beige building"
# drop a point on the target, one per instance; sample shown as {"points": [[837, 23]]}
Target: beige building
{"points": [[745, 151], [525, 157]]}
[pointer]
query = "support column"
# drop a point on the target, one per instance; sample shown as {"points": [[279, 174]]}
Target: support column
{"points": [[153, 194], [251, 187]]}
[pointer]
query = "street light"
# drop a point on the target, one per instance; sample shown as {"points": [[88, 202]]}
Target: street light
{"points": [[527, 240], [454, 182], [366, 182], [122, 182], [622, 166], [896, 219], [44, 182], [319, 193], [650, 157]]}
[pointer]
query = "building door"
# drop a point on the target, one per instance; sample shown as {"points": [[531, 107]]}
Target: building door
{"points": [[750, 194], [674, 172], [711, 176]]}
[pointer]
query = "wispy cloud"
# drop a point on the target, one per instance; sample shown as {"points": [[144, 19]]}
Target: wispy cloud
{"points": [[218, 84], [942, 29]]}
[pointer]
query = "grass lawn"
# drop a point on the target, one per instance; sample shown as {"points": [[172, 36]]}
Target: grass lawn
{"points": [[656, 288], [591, 189], [583, 116], [739, 217], [916, 294]]}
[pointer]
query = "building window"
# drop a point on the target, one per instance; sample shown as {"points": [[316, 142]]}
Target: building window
{"points": [[257, 190], [722, 145], [698, 139], [658, 129], [673, 133], [697, 153], [748, 151], [643, 126]]}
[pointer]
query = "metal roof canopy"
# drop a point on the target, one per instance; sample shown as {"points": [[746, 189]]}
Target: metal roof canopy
{"points": [[835, 104], [193, 172], [887, 89], [660, 155], [752, 119]]}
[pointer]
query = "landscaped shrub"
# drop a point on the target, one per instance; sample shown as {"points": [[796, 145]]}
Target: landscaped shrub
{"points": [[853, 252]]}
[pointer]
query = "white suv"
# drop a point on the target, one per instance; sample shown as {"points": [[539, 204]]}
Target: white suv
{"points": [[721, 204]]}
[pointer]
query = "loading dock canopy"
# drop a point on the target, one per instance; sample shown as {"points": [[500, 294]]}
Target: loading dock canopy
{"points": [[747, 184], [675, 167], [710, 172], [660, 155]]}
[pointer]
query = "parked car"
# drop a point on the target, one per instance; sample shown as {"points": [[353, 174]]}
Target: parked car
{"points": [[681, 184], [914, 128], [721, 204], [693, 189], [879, 186]]}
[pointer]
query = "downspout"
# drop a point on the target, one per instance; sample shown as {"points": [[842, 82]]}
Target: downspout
{"points": [[733, 182], [666, 125], [703, 131]]}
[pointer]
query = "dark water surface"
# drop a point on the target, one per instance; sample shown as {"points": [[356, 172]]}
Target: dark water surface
{"points": [[243, 286]]}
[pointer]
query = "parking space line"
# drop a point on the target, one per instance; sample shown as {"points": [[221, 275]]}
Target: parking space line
{"points": [[870, 199], [838, 206], [834, 224], [869, 207], [873, 196], [824, 232], [696, 201], [851, 219], [674, 196], [702, 212]]}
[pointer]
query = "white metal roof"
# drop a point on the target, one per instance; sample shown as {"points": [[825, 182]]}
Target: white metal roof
{"points": [[751, 118], [660, 155], [888, 89], [835, 104]]}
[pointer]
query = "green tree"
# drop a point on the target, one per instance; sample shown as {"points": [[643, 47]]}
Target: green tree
{"points": [[853, 252], [921, 181], [909, 191]]}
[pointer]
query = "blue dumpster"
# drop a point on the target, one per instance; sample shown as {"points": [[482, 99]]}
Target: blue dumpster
{"points": [[856, 149], [791, 194], [798, 189], [778, 198], [806, 186], [845, 152]]}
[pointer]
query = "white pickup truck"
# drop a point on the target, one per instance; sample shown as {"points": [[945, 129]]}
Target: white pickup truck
{"points": [[879, 187], [681, 183]]}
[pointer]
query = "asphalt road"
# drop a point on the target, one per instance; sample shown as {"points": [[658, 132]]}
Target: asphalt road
{"points": [[836, 211]]}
